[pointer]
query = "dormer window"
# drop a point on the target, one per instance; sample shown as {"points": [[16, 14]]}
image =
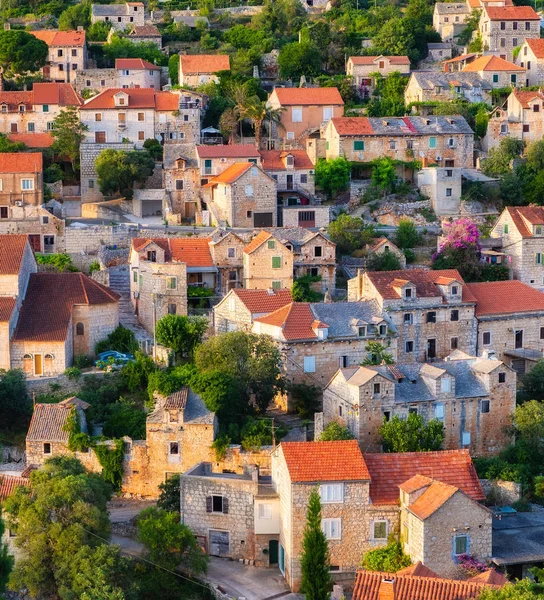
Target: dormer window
{"points": [[454, 290], [152, 255], [4, 108], [538, 230], [290, 161], [445, 384], [383, 330], [408, 293], [21, 108], [362, 331]]}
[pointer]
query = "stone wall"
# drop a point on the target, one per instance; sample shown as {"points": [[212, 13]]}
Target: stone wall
{"points": [[502, 493], [89, 179], [258, 272]]}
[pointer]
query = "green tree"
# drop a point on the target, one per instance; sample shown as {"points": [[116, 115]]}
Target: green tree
{"points": [[169, 498], [383, 174], [223, 394], [98, 32], [295, 60], [173, 69], [521, 590], [498, 159], [180, 333], [6, 145], [15, 404], [68, 133], [124, 48], [377, 355], [78, 15], [316, 580], [305, 399], [388, 559], [334, 431], [407, 235], [21, 52], [411, 434], [388, 96], [332, 175], [529, 424], [532, 382], [384, 261], [301, 290], [350, 233], [118, 171], [278, 17], [6, 561]]}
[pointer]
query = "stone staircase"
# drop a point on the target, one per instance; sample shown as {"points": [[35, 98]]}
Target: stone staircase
{"points": [[120, 283]]}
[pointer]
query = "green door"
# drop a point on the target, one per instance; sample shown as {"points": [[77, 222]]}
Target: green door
{"points": [[273, 552]]}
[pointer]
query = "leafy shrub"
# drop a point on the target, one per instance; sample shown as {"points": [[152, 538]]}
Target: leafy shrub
{"points": [[94, 266], [81, 361], [121, 339], [52, 173], [334, 431], [522, 505], [305, 399], [124, 419], [73, 373], [220, 446], [258, 432], [61, 262], [170, 494], [388, 559]]}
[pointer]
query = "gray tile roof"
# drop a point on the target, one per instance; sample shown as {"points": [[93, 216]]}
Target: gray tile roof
{"points": [[428, 80], [177, 400], [109, 10], [339, 316], [450, 8], [414, 126], [196, 412], [47, 423], [173, 152]]}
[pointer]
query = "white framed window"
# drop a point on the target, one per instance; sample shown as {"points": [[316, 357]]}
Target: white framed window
{"points": [[380, 529], [290, 135], [332, 492], [332, 528], [445, 384], [439, 411], [296, 114], [172, 283], [265, 511], [408, 318], [328, 112], [249, 190], [309, 364], [27, 184], [465, 438]]}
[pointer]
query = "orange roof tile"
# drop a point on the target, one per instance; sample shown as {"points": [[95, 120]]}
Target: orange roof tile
{"points": [[505, 297], [419, 570], [228, 151], [521, 215], [511, 13], [273, 160], [490, 576], [460, 58], [62, 94], [525, 97], [296, 321], [537, 46], [193, 251], [369, 60], [491, 63], [9, 483], [54, 37], [352, 125], [435, 496], [145, 31], [263, 301], [308, 96], [32, 140], [369, 585], [12, 249], [204, 63], [135, 63], [256, 242], [7, 306], [137, 98], [324, 461], [415, 483], [389, 470], [21, 162], [232, 173]]}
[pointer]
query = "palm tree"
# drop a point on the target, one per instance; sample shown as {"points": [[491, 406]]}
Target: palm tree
{"points": [[273, 116], [238, 94], [256, 112], [227, 124]]}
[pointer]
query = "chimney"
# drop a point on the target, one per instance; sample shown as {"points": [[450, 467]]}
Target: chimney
{"points": [[328, 297], [423, 162], [255, 474], [387, 590], [7, 26], [80, 28]]}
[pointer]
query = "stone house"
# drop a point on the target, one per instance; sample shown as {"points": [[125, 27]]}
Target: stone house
{"points": [[198, 69], [181, 180], [227, 250], [458, 63], [243, 195], [431, 311], [267, 263], [214, 159], [473, 397], [234, 516], [434, 86], [497, 72], [119, 16], [21, 181], [443, 187], [305, 111], [520, 119], [67, 54], [449, 19], [504, 28], [8, 486], [146, 34], [35, 111], [448, 141], [380, 246], [301, 215], [439, 51], [531, 57], [239, 308], [364, 70], [127, 73], [510, 318]]}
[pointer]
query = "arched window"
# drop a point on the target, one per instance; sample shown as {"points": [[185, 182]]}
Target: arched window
{"points": [[80, 329], [48, 357], [27, 357]]}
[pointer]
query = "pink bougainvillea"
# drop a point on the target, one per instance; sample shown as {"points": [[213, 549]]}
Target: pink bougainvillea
{"points": [[471, 565], [462, 233]]}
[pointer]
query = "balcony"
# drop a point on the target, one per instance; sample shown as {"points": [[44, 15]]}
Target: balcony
{"points": [[121, 126]]}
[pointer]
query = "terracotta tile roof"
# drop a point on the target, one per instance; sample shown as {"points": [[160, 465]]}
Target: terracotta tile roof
{"points": [[435, 496], [424, 281], [135, 63], [263, 301], [21, 162], [75, 401], [419, 570], [6, 308], [491, 63], [511, 13], [177, 400], [13, 99], [453, 467], [523, 215], [47, 424], [137, 98], [231, 174], [12, 249], [47, 308], [193, 251], [62, 94], [525, 97], [505, 297], [460, 58], [324, 461], [308, 96], [490, 576], [204, 63], [370, 585], [32, 140], [257, 241], [296, 321], [9, 483], [273, 160], [352, 125], [415, 483], [369, 60], [228, 151], [145, 31], [537, 46], [60, 38], [28, 470]]}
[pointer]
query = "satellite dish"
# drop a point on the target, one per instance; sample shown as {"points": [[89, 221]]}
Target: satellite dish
{"points": [[421, 154]]}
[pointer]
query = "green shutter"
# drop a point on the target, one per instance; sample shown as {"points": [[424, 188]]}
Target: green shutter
{"points": [[276, 262], [359, 145], [432, 142], [276, 285]]}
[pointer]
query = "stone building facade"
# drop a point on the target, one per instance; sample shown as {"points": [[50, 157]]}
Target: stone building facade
{"points": [[363, 69], [67, 54], [198, 69], [531, 57], [436, 86], [449, 19], [227, 250], [497, 72], [443, 187], [119, 16], [128, 73], [21, 181], [267, 264]]}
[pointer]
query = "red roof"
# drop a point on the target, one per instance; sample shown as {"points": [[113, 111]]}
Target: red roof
{"points": [[389, 470], [511, 13], [7, 305], [135, 63], [54, 37], [505, 297], [263, 301], [523, 215], [435, 496], [370, 60], [352, 125], [257, 241], [324, 461], [137, 98], [273, 160], [9, 483], [419, 569], [21, 162], [490, 576], [47, 308], [491, 63], [203, 63], [228, 151], [32, 140], [61, 94], [296, 321], [525, 97], [308, 96], [231, 174], [12, 249], [193, 251], [374, 585], [537, 46]]}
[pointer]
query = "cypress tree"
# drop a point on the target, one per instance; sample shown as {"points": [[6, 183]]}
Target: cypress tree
{"points": [[6, 561], [314, 562]]}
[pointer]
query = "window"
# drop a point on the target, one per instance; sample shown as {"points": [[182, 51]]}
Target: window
{"points": [[27, 184], [379, 530], [141, 135], [276, 285], [504, 128], [318, 251], [265, 511], [514, 25], [276, 262], [342, 362], [340, 410], [495, 78], [449, 192], [179, 184], [80, 329], [383, 329], [45, 108], [505, 228], [332, 492], [217, 504], [172, 309], [91, 184], [74, 52], [502, 377], [296, 115], [431, 317], [248, 214], [99, 137], [4, 212], [291, 136], [449, 173], [484, 406], [249, 190], [432, 143], [454, 315], [502, 43], [332, 528], [527, 26], [465, 438], [304, 179], [486, 338], [102, 83], [141, 117], [309, 364], [445, 384], [460, 544], [439, 411], [392, 144], [74, 67], [376, 388], [514, 43], [171, 283], [327, 113], [173, 448], [525, 128], [48, 240], [409, 346], [47, 448], [454, 343], [408, 293], [135, 276], [271, 244], [362, 331], [454, 290], [359, 145], [59, 53], [538, 258], [408, 318]]}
